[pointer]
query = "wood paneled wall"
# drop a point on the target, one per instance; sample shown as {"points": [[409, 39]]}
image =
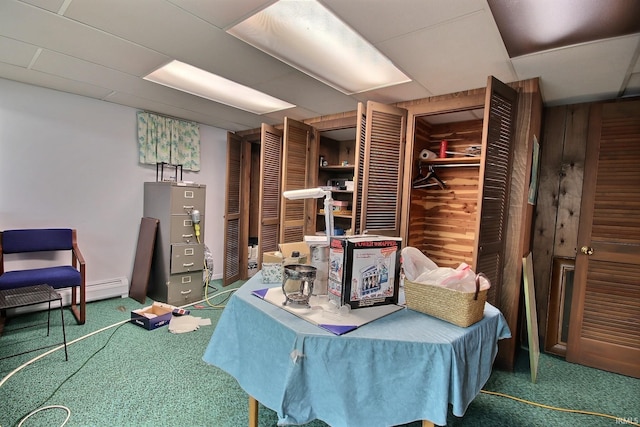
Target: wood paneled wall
{"points": [[557, 212]]}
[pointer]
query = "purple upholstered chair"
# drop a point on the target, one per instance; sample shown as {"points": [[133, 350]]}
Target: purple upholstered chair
{"points": [[71, 275]]}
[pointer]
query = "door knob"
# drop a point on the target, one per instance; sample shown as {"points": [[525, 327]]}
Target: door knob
{"points": [[586, 250]]}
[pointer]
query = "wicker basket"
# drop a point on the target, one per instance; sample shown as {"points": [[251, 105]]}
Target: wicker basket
{"points": [[460, 308]]}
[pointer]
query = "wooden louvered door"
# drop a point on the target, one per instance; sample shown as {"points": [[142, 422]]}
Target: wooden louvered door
{"points": [[296, 215], [358, 178], [270, 190], [604, 329], [495, 176], [382, 169], [234, 232]]}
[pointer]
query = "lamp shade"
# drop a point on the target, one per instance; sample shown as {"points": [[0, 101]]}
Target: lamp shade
{"points": [[306, 193]]}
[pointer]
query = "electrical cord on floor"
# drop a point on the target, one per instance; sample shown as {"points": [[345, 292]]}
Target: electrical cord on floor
{"points": [[67, 379], [207, 297], [118, 325], [574, 411], [45, 408]]}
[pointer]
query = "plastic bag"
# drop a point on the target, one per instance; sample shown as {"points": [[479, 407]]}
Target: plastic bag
{"points": [[420, 269], [415, 263]]}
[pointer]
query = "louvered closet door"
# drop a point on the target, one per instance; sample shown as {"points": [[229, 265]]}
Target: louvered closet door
{"points": [[495, 176], [270, 191], [233, 249], [604, 329], [358, 178], [296, 218], [382, 169]]}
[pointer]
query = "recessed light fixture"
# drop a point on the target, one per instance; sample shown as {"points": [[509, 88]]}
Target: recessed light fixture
{"points": [[309, 37], [193, 80]]}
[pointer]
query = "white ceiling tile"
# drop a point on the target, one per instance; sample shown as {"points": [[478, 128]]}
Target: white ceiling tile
{"points": [[209, 117], [633, 86], [380, 20], [100, 48], [198, 43], [307, 92], [636, 67], [454, 56], [295, 113], [397, 93], [15, 52], [76, 69], [73, 38], [37, 78], [61, 65], [570, 73], [222, 13], [51, 5]]}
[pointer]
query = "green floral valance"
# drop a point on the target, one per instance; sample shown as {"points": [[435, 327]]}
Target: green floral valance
{"points": [[172, 141]]}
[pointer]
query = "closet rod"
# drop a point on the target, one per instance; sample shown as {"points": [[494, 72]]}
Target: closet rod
{"points": [[452, 165]]}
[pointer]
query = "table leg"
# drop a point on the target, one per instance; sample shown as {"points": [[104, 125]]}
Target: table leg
{"points": [[253, 412], [426, 423]]}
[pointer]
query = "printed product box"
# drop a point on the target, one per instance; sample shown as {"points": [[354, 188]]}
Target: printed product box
{"points": [[364, 270], [153, 316]]}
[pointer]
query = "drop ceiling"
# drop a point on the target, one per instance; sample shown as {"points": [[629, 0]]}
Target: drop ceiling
{"points": [[102, 49]]}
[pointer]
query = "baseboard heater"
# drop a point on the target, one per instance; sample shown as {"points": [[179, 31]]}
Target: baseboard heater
{"points": [[99, 290]]}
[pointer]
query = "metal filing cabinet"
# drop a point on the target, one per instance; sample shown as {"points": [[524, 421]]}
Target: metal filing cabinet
{"points": [[176, 275]]}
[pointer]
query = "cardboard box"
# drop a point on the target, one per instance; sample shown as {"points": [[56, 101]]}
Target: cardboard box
{"points": [[153, 316], [273, 262], [302, 248], [272, 257], [364, 271]]}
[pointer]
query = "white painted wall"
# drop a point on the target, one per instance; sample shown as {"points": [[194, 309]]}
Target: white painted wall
{"points": [[72, 161]]}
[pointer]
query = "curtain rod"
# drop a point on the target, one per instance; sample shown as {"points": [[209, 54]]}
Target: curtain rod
{"points": [[169, 117]]}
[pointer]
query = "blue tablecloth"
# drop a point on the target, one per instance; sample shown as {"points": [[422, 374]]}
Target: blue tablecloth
{"points": [[403, 367]]}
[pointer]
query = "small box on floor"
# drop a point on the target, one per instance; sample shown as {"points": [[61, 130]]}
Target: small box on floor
{"points": [[364, 271], [152, 317]]}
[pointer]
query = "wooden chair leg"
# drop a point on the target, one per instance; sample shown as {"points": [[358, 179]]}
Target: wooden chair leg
{"points": [[3, 318], [80, 314]]}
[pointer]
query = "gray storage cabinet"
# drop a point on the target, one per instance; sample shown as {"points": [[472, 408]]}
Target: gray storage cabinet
{"points": [[176, 276]]}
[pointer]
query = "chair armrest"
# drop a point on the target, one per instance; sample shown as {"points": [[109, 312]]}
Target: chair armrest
{"points": [[78, 258]]}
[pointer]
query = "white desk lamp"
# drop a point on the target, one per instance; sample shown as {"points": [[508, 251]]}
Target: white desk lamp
{"points": [[319, 246], [316, 193]]}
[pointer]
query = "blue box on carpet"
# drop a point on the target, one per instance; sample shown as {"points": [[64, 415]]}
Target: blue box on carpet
{"points": [[364, 271], [153, 316]]}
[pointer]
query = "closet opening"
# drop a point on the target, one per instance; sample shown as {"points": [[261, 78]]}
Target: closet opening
{"points": [[447, 152]]}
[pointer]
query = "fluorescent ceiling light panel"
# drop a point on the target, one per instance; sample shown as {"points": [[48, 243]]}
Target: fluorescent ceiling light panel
{"points": [[187, 78], [307, 36]]}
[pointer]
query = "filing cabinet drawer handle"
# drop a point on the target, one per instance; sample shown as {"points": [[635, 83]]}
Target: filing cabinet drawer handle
{"points": [[187, 235], [187, 207], [188, 264], [185, 292]]}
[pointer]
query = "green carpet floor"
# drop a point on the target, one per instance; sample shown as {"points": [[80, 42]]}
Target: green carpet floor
{"points": [[128, 376]]}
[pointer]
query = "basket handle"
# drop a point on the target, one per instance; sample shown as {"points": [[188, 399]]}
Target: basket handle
{"points": [[478, 276]]}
